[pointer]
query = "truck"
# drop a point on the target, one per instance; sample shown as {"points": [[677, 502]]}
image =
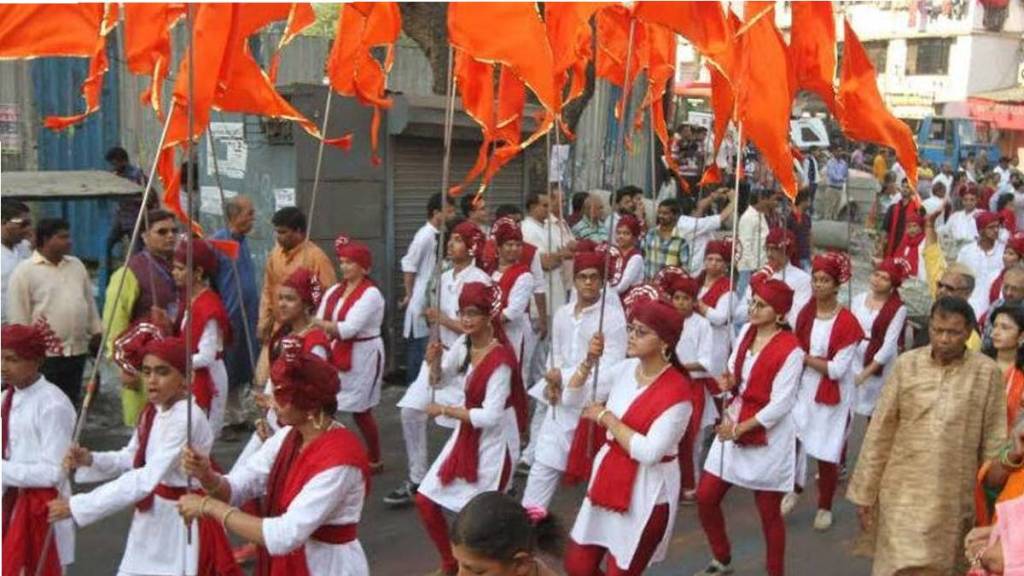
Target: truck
{"points": [[950, 140]]}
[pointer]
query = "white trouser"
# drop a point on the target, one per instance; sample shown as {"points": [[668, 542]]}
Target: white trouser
{"points": [[540, 412], [541, 485], [414, 432]]}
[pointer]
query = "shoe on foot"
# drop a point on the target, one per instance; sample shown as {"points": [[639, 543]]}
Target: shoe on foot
{"points": [[403, 495], [715, 568], [789, 502], [823, 520]]}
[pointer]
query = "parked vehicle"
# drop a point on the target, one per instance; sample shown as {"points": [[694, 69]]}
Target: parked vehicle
{"points": [[949, 140]]}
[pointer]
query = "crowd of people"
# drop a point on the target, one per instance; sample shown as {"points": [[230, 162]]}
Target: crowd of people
{"points": [[643, 353]]}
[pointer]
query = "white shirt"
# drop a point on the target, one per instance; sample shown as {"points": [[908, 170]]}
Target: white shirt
{"points": [[697, 232], [947, 181], [933, 204], [986, 267], [656, 482], [632, 274], [960, 226], [42, 421], [869, 391], [9, 259], [1004, 175], [536, 233], [360, 389], [420, 259], [516, 316], [721, 331], [753, 233], [820, 427], [157, 537], [694, 346], [570, 341], [772, 466], [332, 497], [492, 419]]}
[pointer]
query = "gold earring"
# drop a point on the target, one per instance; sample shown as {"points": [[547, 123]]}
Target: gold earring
{"points": [[666, 354], [321, 423]]}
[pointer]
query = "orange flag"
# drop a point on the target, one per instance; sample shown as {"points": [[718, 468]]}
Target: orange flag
{"points": [[508, 128], [35, 30], [147, 44], [704, 24], [351, 66], [812, 49], [723, 101], [475, 82], [568, 27], [613, 48], [661, 70], [862, 112], [763, 93], [522, 48], [300, 17]]}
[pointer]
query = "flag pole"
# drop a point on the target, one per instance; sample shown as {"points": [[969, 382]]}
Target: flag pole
{"points": [[626, 86], [449, 121], [319, 157], [732, 271], [849, 240], [187, 313]]}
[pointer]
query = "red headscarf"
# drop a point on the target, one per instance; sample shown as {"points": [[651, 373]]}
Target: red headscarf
{"points": [[896, 268], [835, 264], [170, 350], [661, 317], [776, 293], [629, 222], [204, 256], [984, 219], [304, 380], [585, 260], [353, 250], [1016, 243], [722, 248], [486, 297], [686, 284], [307, 284], [471, 235], [130, 347], [782, 238], [506, 229], [25, 341]]}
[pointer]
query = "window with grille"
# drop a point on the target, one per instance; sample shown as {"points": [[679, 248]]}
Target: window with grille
{"points": [[878, 51], [928, 56]]}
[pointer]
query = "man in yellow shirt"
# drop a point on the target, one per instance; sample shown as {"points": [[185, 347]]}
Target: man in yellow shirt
{"points": [[880, 166]]}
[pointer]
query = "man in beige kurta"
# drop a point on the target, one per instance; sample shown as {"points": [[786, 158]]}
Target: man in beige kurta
{"points": [[941, 414]]}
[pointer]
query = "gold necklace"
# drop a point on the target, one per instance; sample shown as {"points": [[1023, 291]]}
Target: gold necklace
{"points": [[647, 378]]}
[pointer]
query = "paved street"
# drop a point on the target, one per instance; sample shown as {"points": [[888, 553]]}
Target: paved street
{"points": [[396, 544]]}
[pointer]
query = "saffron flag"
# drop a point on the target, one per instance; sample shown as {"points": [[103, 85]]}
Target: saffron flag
{"points": [[36, 30], [812, 49], [568, 27], [147, 45], [300, 17], [508, 127], [704, 24], [763, 91], [351, 66], [661, 69], [862, 112], [614, 48], [475, 83]]}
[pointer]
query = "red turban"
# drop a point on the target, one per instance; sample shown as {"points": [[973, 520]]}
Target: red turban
{"points": [[585, 260], [896, 268], [722, 248], [661, 317], [780, 237], [486, 297], [471, 235], [170, 350], [304, 380], [505, 230], [776, 293], [585, 246], [307, 284], [915, 217], [685, 284], [984, 219], [629, 222], [1016, 243], [130, 347], [835, 264], [28, 342], [353, 250], [204, 256]]}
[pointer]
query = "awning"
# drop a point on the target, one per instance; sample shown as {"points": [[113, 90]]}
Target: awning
{"points": [[65, 185], [1003, 108]]}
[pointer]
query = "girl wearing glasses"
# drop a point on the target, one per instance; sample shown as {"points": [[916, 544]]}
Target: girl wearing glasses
{"points": [[627, 517], [755, 440], [477, 457], [829, 335]]}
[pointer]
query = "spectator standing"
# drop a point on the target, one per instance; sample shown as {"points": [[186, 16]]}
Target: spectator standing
{"points": [[147, 284], [937, 202], [665, 245], [240, 215], [698, 229], [291, 251], [857, 158], [753, 232], [592, 226], [837, 173], [985, 257], [916, 526], [127, 210], [15, 246], [799, 223], [897, 216], [54, 286], [880, 165]]}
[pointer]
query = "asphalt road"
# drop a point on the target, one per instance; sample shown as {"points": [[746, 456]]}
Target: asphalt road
{"points": [[396, 544]]}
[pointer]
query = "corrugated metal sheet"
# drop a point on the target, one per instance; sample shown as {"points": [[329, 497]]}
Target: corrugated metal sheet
{"points": [[16, 91], [55, 86]]}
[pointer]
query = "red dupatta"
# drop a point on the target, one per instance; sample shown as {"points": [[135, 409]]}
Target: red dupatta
{"points": [[206, 306], [846, 331], [341, 350], [758, 390]]}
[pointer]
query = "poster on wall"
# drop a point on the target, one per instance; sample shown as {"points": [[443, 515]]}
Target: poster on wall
{"points": [[283, 197], [10, 136], [209, 200], [228, 142]]}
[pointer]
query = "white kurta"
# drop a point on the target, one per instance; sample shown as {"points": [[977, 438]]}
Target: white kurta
{"points": [[768, 467], [449, 390], [721, 332], [632, 274], [42, 421], [419, 259], [360, 386], [694, 347], [987, 267], [960, 226], [332, 497], [697, 232], [157, 537], [211, 357], [571, 334], [516, 316], [868, 392], [536, 233], [822, 428], [656, 482], [796, 279], [492, 419]]}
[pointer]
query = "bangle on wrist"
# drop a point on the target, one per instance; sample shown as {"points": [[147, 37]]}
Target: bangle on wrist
{"points": [[224, 518], [1004, 459], [600, 415], [202, 505]]}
